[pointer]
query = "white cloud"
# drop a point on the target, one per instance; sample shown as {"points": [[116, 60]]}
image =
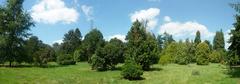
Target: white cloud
{"points": [[149, 15], [167, 19], [58, 41], [88, 11], [185, 29], [227, 37], [53, 11], [118, 36]]}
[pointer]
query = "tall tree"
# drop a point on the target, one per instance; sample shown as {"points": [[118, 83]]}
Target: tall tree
{"points": [[167, 39], [218, 41], [15, 23], [234, 48], [92, 41], [160, 42], [197, 39], [142, 45], [71, 41]]}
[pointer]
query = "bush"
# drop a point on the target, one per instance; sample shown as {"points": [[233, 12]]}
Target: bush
{"points": [[165, 59], [215, 57], [131, 71], [202, 54], [98, 63], [65, 59]]}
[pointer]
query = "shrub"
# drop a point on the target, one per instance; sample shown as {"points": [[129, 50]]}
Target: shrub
{"points": [[65, 59], [202, 53], [215, 57], [132, 71], [98, 63], [165, 59]]}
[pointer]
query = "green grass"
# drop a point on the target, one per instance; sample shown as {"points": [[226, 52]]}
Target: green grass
{"points": [[82, 73]]}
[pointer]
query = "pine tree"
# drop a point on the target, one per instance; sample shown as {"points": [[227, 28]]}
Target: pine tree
{"points": [[218, 41], [197, 39], [234, 48]]}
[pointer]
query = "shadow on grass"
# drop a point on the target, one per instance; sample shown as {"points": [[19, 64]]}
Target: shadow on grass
{"points": [[31, 65], [155, 69], [135, 79], [234, 72]]}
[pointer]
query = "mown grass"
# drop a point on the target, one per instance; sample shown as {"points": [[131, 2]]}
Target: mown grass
{"points": [[82, 74]]}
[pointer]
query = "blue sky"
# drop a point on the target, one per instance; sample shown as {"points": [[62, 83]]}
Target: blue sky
{"points": [[113, 18]]}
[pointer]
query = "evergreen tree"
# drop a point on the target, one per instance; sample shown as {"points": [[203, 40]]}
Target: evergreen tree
{"points": [[197, 39], [202, 53], [218, 41], [142, 45], [71, 41], [234, 48], [92, 41]]}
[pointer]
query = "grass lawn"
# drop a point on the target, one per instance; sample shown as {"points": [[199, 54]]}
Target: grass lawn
{"points": [[82, 73]]}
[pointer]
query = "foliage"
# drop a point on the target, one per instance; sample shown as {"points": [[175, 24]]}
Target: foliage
{"points": [[65, 59], [202, 54], [107, 57], [71, 41], [182, 56], [131, 70], [215, 56], [218, 41], [15, 24], [197, 39], [234, 48], [42, 56], [92, 41], [142, 46], [97, 63]]}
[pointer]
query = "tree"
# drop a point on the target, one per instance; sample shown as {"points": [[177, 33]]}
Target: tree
{"points": [[15, 23], [168, 54], [141, 45], [202, 53], [160, 42], [167, 39], [182, 56], [234, 48], [107, 57], [32, 45], [215, 56], [197, 39], [218, 41], [92, 41], [71, 41], [43, 55]]}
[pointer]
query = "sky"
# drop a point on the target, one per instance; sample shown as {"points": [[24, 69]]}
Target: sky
{"points": [[181, 18]]}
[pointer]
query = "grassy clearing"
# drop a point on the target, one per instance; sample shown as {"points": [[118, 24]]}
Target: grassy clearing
{"points": [[82, 73]]}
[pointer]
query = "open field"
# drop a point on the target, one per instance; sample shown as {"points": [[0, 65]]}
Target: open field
{"points": [[82, 73]]}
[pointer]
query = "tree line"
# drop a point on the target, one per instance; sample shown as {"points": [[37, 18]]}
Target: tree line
{"points": [[141, 50]]}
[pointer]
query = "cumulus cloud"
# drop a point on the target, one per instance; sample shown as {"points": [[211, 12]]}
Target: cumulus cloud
{"points": [[118, 36], [227, 37], [185, 29], [149, 15], [88, 11], [53, 11]]}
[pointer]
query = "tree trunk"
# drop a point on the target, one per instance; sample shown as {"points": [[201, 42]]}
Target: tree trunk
{"points": [[10, 63]]}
